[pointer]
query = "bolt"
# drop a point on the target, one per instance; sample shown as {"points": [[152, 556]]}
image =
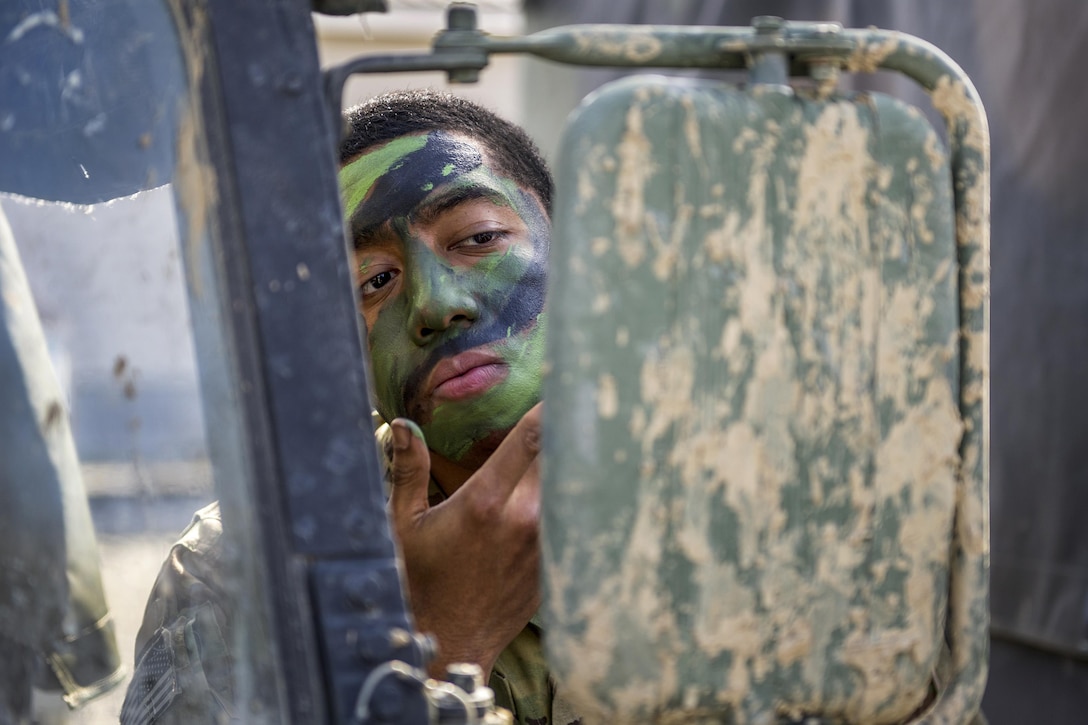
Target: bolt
{"points": [[399, 638], [305, 528], [824, 72], [826, 75], [257, 75], [461, 16], [291, 83], [427, 646], [768, 24], [363, 590], [465, 675], [359, 525], [374, 647], [464, 75]]}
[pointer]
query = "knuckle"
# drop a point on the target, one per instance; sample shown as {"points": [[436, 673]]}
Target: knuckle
{"points": [[404, 470], [523, 531], [530, 436], [484, 507], [527, 521]]}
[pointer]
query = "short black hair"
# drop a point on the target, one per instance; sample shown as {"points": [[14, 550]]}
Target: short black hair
{"points": [[399, 113]]}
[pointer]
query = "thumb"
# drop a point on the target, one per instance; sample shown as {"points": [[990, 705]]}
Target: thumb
{"points": [[410, 473]]}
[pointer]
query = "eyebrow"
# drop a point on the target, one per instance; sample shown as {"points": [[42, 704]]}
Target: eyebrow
{"points": [[443, 202], [371, 236]]}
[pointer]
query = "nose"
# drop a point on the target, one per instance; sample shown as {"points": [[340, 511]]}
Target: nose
{"points": [[441, 298]]}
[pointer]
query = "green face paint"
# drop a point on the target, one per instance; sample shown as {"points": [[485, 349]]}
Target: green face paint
{"points": [[356, 178], [456, 340], [501, 407]]}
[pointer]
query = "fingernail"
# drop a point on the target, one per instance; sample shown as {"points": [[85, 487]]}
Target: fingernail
{"points": [[403, 430], [401, 436]]}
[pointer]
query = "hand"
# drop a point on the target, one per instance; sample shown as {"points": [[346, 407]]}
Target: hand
{"points": [[472, 561]]}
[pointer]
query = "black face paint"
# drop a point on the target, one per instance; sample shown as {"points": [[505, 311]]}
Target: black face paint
{"points": [[407, 183]]}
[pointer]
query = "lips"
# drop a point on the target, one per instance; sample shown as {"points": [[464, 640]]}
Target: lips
{"points": [[467, 375]]}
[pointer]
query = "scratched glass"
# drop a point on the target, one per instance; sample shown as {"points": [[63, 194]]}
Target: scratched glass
{"points": [[104, 456]]}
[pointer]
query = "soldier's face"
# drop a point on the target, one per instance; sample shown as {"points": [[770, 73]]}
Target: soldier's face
{"points": [[451, 264]]}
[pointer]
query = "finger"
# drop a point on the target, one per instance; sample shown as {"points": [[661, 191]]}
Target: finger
{"points": [[513, 458], [527, 491], [410, 473]]}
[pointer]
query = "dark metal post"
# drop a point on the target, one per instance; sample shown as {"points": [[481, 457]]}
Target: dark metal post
{"points": [[283, 369]]}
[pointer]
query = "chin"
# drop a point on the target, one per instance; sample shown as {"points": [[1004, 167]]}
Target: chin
{"points": [[470, 431]]}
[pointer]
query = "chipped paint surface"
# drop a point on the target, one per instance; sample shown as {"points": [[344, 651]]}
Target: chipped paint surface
{"points": [[630, 46], [47, 19], [870, 56], [635, 169], [778, 476], [958, 102], [607, 403], [195, 182]]}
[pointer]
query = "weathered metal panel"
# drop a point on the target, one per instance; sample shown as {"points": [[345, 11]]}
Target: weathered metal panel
{"points": [[754, 416], [283, 373], [89, 91]]}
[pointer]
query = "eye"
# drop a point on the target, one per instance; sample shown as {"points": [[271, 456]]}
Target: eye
{"points": [[484, 237], [481, 239], [378, 281]]}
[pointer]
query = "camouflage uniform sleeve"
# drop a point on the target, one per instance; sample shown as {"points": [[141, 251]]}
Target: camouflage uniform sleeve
{"points": [[183, 672], [523, 684]]}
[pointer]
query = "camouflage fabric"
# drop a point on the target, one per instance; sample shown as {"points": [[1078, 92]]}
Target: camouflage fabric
{"points": [[523, 684], [182, 663], [183, 670]]}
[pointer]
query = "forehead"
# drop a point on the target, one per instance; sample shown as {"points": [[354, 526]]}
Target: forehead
{"points": [[393, 179]]}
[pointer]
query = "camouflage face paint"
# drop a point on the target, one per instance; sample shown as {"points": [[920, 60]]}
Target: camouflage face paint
{"points": [[461, 255], [404, 173], [357, 179]]}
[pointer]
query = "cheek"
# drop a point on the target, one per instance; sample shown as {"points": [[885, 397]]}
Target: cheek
{"points": [[370, 318], [540, 228], [386, 342], [522, 267], [527, 277], [536, 267]]}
